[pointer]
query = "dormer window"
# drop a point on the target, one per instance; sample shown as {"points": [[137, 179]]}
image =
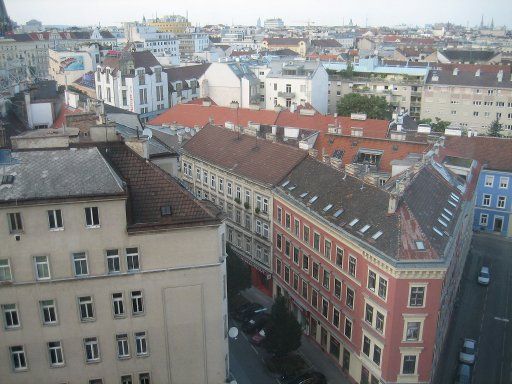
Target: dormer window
{"points": [[166, 210]]}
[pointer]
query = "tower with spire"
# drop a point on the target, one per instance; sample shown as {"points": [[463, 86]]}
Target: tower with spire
{"points": [[482, 22], [6, 24], [492, 23]]}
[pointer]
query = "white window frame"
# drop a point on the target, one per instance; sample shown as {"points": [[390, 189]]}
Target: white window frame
{"points": [[16, 359], [139, 299], [489, 181], [56, 216], [81, 260], [56, 351], [49, 307], [484, 197], [92, 344], [113, 257], [141, 343], [501, 202], [417, 285], [86, 302], [484, 219], [504, 181], [5, 270], [89, 211], [130, 257], [44, 263], [122, 346], [7, 312], [117, 305]]}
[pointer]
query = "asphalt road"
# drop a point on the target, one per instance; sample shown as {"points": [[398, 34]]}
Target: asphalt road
{"points": [[483, 314]]}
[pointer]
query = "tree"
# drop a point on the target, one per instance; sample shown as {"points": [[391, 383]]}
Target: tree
{"points": [[437, 126], [495, 128], [284, 332], [375, 107], [238, 274]]}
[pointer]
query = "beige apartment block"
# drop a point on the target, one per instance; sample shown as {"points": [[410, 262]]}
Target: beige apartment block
{"points": [[469, 96], [110, 272]]}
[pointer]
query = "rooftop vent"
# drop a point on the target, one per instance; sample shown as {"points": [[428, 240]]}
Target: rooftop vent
{"points": [[338, 213], [313, 199], [353, 222], [327, 207], [364, 229], [7, 179], [420, 245], [303, 194], [376, 235]]}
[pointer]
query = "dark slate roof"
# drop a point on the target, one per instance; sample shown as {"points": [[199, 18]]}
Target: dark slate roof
{"points": [[186, 73], [470, 56], [107, 35], [20, 37], [280, 41], [466, 75], [44, 90], [247, 156], [369, 205], [145, 59], [284, 52], [150, 188], [59, 174], [326, 43]]}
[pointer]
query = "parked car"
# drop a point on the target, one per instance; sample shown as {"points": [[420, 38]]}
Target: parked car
{"points": [[310, 378], [463, 374], [468, 351], [256, 324], [246, 309], [484, 276], [253, 312], [259, 337]]}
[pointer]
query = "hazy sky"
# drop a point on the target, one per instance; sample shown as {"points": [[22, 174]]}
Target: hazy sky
{"points": [[327, 12]]}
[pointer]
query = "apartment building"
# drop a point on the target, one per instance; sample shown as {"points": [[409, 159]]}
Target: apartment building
{"points": [[273, 23], [66, 66], [133, 81], [296, 44], [173, 23], [184, 82], [469, 96], [372, 273], [293, 83], [228, 168], [192, 42], [401, 85], [110, 272]]}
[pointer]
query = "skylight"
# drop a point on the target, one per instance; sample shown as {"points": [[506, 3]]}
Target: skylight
{"points": [[292, 187], [313, 199], [327, 207], [285, 183], [7, 179], [448, 212], [353, 222], [338, 213], [442, 222], [365, 228], [452, 203], [445, 217], [165, 210], [376, 235], [454, 196], [303, 194], [438, 231], [420, 245]]}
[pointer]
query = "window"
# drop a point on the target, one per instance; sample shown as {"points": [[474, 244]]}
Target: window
{"points": [[113, 264], [19, 361], [5, 270], [377, 351], [279, 241], [305, 262], [296, 255], [122, 346], [325, 308], [92, 217], [141, 344], [295, 282], [137, 303], [350, 298], [198, 174], [48, 312], [383, 288], [337, 288], [229, 188], [503, 182], [484, 218], [327, 249], [305, 233], [372, 280], [348, 328], [315, 271], [125, 99], [316, 241], [278, 266], [379, 322], [314, 299], [265, 205], [368, 316], [366, 346], [339, 257], [501, 201], [221, 185], [126, 379], [11, 316], [409, 365], [489, 181], [304, 289], [205, 176], [238, 193], [265, 230], [288, 221], [118, 304], [55, 219], [413, 331], [213, 183], [42, 267], [92, 349], [86, 308], [416, 297], [352, 266], [144, 378], [336, 318], [132, 259], [56, 354], [486, 201], [15, 223], [296, 227], [80, 264], [248, 197], [326, 280]]}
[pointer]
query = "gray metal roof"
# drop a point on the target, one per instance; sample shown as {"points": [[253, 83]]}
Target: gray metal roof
{"points": [[69, 173]]}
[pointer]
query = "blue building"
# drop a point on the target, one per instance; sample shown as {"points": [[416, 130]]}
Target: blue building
{"points": [[493, 201]]}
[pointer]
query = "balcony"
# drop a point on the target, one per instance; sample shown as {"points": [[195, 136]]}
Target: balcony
{"points": [[286, 95]]}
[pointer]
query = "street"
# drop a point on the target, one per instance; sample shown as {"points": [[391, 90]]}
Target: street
{"points": [[483, 314]]}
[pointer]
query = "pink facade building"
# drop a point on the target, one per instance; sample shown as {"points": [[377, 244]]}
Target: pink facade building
{"points": [[372, 273]]}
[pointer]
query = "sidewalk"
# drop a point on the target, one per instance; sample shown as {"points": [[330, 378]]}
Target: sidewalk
{"points": [[311, 351]]}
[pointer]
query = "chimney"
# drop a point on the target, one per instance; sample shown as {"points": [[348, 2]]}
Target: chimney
{"points": [[233, 105], [139, 146], [393, 203]]}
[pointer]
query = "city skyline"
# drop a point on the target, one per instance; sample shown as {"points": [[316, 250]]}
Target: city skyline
{"points": [[369, 13]]}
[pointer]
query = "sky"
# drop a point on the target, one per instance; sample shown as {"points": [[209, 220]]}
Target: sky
{"points": [[296, 12]]}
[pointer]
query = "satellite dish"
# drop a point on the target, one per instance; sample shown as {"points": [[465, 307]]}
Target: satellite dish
{"points": [[233, 332], [147, 132]]}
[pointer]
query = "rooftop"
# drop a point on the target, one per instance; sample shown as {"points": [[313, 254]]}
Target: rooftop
{"points": [[471, 75]]}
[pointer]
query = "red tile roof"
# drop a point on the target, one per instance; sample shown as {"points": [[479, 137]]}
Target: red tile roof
{"points": [[493, 153], [392, 149], [259, 160], [60, 121]]}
